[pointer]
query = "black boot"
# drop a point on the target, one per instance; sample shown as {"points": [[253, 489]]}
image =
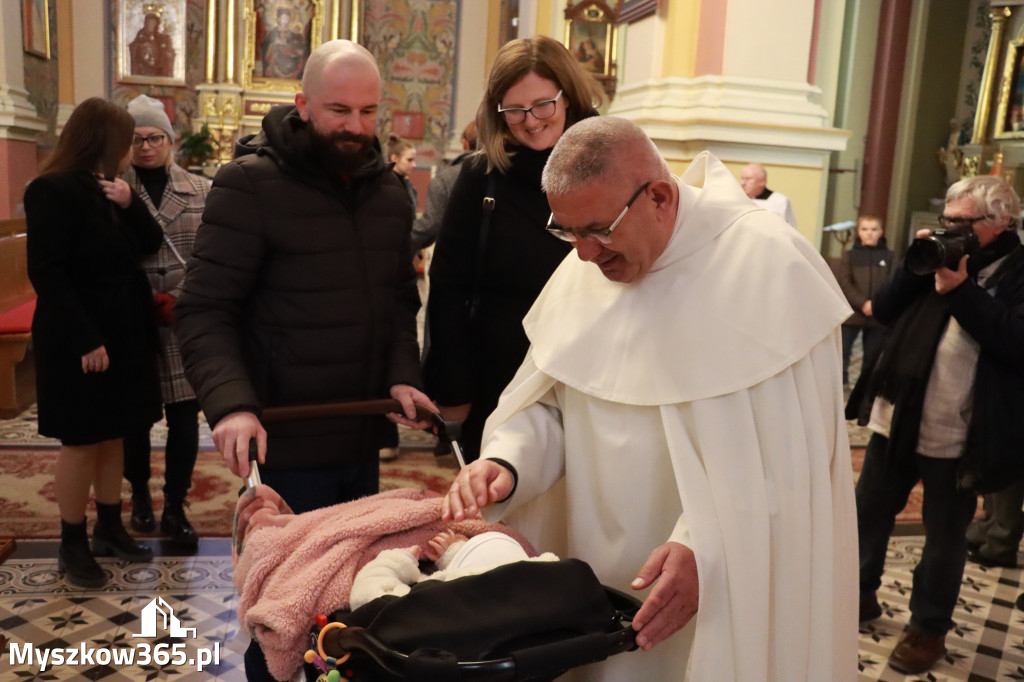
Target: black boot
{"points": [[109, 536], [142, 510], [74, 559], [176, 527]]}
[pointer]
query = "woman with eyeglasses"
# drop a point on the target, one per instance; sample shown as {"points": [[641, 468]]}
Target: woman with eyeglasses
{"points": [[175, 198], [493, 253], [93, 334]]}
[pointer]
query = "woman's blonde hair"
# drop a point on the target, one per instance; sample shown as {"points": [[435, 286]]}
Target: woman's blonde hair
{"points": [[547, 58]]}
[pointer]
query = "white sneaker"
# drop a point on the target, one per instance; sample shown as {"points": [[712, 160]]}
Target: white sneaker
{"points": [[388, 454]]}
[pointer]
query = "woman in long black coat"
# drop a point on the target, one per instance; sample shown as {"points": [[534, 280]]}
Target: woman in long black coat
{"points": [[93, 334], [535, 91]]}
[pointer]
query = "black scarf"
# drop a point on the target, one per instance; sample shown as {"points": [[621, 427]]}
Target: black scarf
{"points": [[901, 374]]}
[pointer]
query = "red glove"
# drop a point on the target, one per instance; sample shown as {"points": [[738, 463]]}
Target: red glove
{"points": [[164, 303]]}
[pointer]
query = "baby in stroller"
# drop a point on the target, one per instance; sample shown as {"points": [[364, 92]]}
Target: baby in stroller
{"points": [[291, 568], [394, 571]]}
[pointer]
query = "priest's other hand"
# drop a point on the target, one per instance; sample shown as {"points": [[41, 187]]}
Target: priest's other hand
{"points": [[232, 434], [481, 483], [673, 600]]}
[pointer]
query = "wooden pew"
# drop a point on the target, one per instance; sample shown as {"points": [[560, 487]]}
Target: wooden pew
{"points": [[17, 303]]}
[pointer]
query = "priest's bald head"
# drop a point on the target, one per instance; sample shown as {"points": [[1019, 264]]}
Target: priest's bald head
{"points": [[611, 196]]}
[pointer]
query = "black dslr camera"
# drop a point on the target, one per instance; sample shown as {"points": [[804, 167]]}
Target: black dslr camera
{"points": [[941, 249]]}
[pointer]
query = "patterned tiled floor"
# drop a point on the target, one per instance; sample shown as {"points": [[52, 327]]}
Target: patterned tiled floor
{"points": [[988, 641], [37, 607]]}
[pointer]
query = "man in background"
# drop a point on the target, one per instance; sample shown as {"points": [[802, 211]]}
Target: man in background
{"points": [[754, 180]]}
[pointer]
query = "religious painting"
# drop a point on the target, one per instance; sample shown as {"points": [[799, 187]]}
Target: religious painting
{"points": [[151, 41], [35, 27], [590, 31], [280, 36], [1010, 112]]}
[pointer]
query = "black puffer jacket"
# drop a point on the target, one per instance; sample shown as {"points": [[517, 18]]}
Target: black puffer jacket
{"points": [[301, 290], [862, 271]]}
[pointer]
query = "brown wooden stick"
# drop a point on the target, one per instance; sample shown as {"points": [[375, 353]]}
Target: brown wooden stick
{"points": [[352, 408]]}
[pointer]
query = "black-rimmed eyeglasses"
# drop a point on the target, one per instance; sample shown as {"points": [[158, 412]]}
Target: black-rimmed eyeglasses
{"points": [[545, 109], [156, 140], [961, 223], [601, 236]]}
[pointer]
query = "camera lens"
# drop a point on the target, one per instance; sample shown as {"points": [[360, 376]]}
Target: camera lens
{"points": [[925, 255]]}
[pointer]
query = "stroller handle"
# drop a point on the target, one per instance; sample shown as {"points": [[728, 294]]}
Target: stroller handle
{"points": [[531, 663]]}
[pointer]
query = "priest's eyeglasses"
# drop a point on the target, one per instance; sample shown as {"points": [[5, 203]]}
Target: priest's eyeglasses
{"points": [[600, 236], [156, 140], [959, 223], [545, 109]]}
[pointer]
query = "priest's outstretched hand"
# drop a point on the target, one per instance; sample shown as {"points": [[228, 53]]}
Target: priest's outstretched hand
{"points": [[479, 484], [673, 600]]}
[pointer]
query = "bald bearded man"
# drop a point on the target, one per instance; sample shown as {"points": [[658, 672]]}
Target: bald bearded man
{"points": [[302, 289]]}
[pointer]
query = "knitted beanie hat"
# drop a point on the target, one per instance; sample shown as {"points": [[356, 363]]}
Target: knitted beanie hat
{"points": [[150, 113]]}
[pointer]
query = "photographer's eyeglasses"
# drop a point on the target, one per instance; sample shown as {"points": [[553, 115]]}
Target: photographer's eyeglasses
{"points": [[155, 141], [516, 115], [960, 223], [600, 236]]}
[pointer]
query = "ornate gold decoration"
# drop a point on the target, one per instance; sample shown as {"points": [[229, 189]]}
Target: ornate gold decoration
{"points": [[281, 85], [970, 165], [998, 15]]}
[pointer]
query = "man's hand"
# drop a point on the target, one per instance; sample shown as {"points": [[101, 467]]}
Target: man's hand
{"points": [[866, 308], [946, 280], [480, 484], [410, 397], [232, 435], [673, 601], [117, 190]]}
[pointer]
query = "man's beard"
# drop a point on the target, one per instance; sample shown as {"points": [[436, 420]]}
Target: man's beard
{"points": [[336, 152]]}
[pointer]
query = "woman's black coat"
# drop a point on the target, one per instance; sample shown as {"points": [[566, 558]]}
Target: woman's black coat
{"points": [[84, 255], [472, 360]]}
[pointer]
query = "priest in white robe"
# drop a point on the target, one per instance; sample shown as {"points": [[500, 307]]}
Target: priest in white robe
{"points": [[678, 420]]}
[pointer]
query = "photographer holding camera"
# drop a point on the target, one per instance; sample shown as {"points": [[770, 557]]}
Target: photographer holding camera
{"points": [[945, 401]]}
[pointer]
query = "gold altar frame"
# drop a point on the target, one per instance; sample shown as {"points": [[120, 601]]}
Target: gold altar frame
{"points": [[1009, 123], [592, 22], [253, 77]]}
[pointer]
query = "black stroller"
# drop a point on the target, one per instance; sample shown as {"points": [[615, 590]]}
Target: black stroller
{"points": [[521, 621], [525, 621]]}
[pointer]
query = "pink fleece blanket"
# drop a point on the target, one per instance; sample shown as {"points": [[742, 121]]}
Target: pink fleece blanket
{"points": [[290, 572]]}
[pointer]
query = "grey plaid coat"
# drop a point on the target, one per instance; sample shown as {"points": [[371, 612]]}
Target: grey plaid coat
{"points": [[181, 211]]}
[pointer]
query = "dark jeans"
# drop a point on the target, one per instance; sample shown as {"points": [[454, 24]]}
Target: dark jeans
{"points": [[997, 534], [872, 339], [305, 490], [882, 491], [179, 456]]}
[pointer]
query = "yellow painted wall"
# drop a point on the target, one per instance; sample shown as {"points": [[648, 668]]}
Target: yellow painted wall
{"points": [[682, 21], [801, 185]]}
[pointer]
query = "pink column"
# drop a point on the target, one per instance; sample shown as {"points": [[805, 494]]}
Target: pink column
{"points": [[18, 165]]}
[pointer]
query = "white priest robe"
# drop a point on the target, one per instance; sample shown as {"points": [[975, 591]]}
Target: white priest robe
{"points": [[779, 204], [701, 404]]}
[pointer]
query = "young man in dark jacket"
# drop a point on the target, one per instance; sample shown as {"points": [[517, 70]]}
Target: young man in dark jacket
{"points": [[945, 401], [302, 290]]}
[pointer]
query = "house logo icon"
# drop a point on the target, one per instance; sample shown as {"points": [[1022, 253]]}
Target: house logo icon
{"points": [[159, 610]]}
